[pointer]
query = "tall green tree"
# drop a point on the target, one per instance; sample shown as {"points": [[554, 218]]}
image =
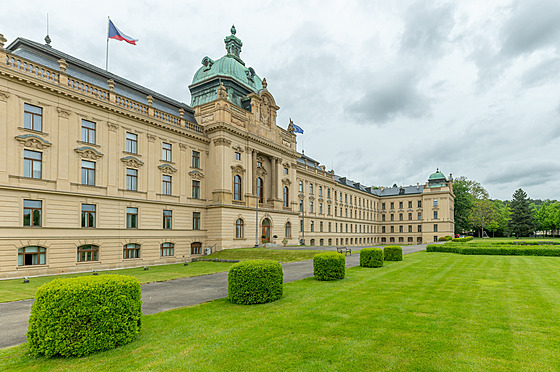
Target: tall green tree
{"points": [[521, 223], [467, 192], [484, 215]]}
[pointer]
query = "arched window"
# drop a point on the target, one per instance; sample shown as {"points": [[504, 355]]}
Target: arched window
{"points": [[286, 197], [239, 224], [237, 187], [260, 190], [167, 249], [32, 256], [88, 252], [131, 250], [288, 230]]}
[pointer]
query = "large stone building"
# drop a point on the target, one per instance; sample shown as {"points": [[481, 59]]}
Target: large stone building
{"points": [[98, 172]]}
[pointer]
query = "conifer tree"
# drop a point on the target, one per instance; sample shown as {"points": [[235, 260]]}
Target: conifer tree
{"points": [[521, 223]]}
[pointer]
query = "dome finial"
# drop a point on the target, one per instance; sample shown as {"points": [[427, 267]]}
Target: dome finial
{"points": [[233, 30]]}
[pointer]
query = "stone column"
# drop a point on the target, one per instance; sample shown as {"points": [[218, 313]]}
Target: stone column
{"points": [[113, 163], [60, 162]]}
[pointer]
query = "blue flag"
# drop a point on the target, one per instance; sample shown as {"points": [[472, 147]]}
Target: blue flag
{"points": [[297, 129]]}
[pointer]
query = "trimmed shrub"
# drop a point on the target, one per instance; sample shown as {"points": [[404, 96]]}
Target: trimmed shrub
{"points": [[463, 240], [499, 250], [329, 266], [79, 316], [371, 257], [445, 238], [255, 282], [392, 253]]}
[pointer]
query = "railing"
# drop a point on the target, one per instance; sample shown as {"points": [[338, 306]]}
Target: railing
{"points": [[88, 89], [27, 67], [30, 68]]}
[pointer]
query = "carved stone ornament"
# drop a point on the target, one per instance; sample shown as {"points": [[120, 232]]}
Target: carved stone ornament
{"points": [[286, 182], [87, 152], [301, 196], [113, 127], [207, 118], [151, 137], [33, 141], [63, 113], [311, 197], [167, 169], [183, 147], [286, 165], [238, 148], [131, 161], [291, 128], [222, 92], [222, 142], [237, 169], [4, 95], [197, 175]]}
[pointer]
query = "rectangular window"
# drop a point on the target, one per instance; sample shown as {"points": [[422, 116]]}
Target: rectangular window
{"points": [[435, 215], [382, 217], [300, 225], [435, 202], [392, 229], [392, 205], [196, 189], [383, 229], [419, 203], [392, 217], [301, 205], [311, 189], [410, 216], [400, 229], [167, 219], [400, 216], [32, 211], [32, 163], [131, 143], [166, 151], [410, 204], [419, 228], [435, 227], [167, 249], [131, 251], [330, 226], [196, 159], [131, 179], [88, 131], [237, 155], [310, 207], [285, 170], [131, 218], [409, 228], [32, 117], [88, 215], [419, 215], [312, 226], [400, 205], [87, 252], [383, 206], [88, 173], [321, 226], [196, 220], [320, 208], [166, 185], [328, 210]]}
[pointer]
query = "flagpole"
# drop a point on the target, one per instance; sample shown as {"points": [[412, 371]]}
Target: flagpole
{"points": [[107, 51]]}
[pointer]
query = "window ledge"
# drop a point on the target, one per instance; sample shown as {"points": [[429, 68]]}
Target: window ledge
{"points": [[33, 131], [32, 267], [167, 161], [132, 153], [89, 144]]}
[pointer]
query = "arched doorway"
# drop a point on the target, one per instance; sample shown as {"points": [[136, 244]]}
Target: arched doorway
{"points": [[266, 230]]}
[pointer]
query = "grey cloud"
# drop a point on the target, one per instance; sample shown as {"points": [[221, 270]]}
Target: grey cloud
{"points": [[533, 25], [542, 73], [390, 96], [427, 28], [526, 174]]}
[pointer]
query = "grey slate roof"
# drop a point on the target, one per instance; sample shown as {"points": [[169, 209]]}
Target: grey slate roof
{"points": [[392, 191], [48, 56]]}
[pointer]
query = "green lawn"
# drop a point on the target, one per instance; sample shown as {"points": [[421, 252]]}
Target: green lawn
{"points": [[432, 311], [15, 289], [281, 255]]}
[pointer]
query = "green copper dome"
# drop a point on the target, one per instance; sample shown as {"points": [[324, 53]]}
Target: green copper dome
{"points": [[437, 176], [231, 65]]}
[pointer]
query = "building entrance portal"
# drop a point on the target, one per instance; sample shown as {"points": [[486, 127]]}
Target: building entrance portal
{"points": [[266, 230]]}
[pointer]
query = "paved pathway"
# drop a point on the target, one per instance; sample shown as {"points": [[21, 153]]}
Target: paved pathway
{"points": [[163, 296]]}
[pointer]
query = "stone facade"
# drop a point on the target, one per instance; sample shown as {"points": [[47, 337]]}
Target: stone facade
{"points": [[97, 172]]}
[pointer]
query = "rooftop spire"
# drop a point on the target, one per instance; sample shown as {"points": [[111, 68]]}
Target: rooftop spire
{"points": [[233, 45]]}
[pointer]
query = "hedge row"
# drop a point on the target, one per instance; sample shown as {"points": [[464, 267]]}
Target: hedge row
{"points": [[445, 238], [79, 316], [502, 251], [392, 253], [371, 257], [465, 239], [329, 266], [255, 282]]}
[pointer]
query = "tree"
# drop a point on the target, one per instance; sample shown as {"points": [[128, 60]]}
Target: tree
{"points": [[466, 193], [521, 223], [483, 215]]}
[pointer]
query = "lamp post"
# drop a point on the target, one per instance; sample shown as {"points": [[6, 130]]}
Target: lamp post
{"points": [[302, 198]]}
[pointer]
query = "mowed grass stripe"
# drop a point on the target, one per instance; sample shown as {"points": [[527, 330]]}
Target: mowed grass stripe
{"points": [[432, 311]]}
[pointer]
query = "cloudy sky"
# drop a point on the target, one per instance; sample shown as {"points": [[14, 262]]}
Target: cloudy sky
{"points": [[387, 91]]}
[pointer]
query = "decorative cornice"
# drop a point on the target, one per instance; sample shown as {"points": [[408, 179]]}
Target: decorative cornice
{"points": [[131, 161], [197, 175], [33, 141], [167, 168], [63, 113], [237, 169], [88, 152], [222, 142], [237, 148]]}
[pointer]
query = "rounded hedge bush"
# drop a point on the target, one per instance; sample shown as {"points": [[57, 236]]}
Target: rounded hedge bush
{"points": [[392, 253], [255, 282], [329, 266], [445, 238], [79, 316], [371, 257]]}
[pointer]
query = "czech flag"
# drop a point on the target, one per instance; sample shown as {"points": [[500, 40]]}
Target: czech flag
{"points": [[115, 33]]}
